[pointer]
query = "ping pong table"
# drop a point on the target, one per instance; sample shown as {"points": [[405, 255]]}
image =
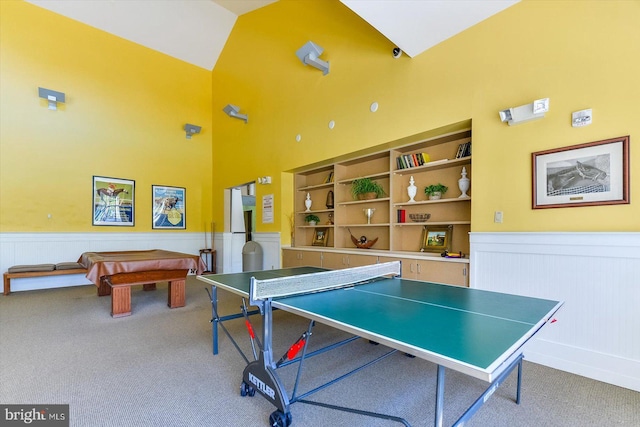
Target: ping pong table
{"points": [[479, 333]]}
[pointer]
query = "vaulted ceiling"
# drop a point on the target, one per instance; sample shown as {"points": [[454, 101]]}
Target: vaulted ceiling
{"points": [[195, 31]]}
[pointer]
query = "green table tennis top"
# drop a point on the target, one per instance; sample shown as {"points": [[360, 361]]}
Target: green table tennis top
{"points": [[470, 330]]}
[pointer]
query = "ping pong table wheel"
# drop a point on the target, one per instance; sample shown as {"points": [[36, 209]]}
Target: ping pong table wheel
{"points": [[247, 390], [280, 419]]}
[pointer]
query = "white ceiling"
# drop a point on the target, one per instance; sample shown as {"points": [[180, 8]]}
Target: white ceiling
{"points": [[195, 31]]}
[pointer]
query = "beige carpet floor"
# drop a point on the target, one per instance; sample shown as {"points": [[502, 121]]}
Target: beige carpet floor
{"points": [[156, 368]]}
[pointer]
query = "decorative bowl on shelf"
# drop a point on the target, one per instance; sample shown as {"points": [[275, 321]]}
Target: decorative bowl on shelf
{"points": [[419, 217], [362, 242]]}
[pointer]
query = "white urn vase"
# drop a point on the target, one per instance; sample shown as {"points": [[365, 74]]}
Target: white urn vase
{"points": [[412, 189], [308, 202], [463, 184]]}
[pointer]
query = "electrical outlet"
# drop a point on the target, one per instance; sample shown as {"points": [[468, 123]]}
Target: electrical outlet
{"points": [[497, 217]]}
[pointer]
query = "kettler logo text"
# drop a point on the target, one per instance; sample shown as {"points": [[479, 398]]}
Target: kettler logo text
{"points": [[36, 415], [260, 385]]}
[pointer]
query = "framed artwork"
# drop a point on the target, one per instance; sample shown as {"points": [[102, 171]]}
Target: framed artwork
{"points": [[320, 236], [113, 201], [169, 207], [436, 238], [590, 174]]}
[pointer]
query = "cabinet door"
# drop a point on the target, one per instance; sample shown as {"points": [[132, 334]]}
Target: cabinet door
{"points": [[297, 258], [356, 260], [452, 273], [335, 260]]}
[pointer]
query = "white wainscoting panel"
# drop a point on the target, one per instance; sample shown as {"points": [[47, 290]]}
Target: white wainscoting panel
{"points": [[271, 248], [52, 248], [597, 275]]}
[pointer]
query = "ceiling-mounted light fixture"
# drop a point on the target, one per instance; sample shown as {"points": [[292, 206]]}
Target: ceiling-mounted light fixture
{"points": [[191, 130], [525, 113], [309, 53], [234, 111], [52, 96]]}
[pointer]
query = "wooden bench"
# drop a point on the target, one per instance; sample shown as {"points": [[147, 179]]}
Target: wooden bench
{"points": [[119, 286], [40, 270]]}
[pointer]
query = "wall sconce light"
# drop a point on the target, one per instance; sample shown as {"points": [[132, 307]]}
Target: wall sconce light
{"points": [[525, 113], [52, 96], [309, 53], [191, 130], [264, 180], [581, 118], [234, 111]]}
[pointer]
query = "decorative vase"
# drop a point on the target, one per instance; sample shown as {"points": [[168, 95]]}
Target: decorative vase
{"points": [[412, 189], [307, 202], [312, 223], [463, 184], [435, 195], [329, 202]]}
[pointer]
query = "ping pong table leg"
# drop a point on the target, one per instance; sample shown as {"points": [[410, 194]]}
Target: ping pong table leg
{"points": [[214, 318], [439, 396], [518, 388], [489, 391]]}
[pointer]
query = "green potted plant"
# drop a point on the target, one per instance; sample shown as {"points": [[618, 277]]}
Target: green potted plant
{"points": [[435, 191], [312, 219], [366, 188]]}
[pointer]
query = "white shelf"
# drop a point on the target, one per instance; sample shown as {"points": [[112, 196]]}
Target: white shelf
{"points": [[358, 202], [438, 164], [432, 202]]}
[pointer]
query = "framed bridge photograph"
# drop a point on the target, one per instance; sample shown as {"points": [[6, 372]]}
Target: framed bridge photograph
{"points": [[590, 174], [169, 207], [113, 201]]}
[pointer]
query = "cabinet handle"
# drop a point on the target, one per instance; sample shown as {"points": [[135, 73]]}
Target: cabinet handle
{"points": [[418, 268], [411, 267]]}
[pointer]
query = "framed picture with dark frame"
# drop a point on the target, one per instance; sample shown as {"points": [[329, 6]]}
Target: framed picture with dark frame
{"points": [[436, 238], [590, 174], [320, 236], [113, 201], [169, 207]]}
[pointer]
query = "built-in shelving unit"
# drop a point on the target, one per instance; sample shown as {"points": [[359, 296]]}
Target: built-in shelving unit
{"points": [[395, 237]]}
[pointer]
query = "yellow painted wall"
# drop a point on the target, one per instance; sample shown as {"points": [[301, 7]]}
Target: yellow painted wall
{"points": [[127, 104], [125, 109], [579, 57]]}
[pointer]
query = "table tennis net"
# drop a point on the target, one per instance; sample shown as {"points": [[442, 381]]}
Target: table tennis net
{"points": [[321, 281]]}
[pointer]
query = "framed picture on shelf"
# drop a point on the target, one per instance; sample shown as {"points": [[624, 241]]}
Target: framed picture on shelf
{"points": [[590, 174], [169, 208], [320, 236], [436, 238], [113, 201]]}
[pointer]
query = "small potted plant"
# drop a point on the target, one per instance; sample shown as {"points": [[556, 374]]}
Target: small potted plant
{"points": [[366, 188], [435, 191], [312, 219]]}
